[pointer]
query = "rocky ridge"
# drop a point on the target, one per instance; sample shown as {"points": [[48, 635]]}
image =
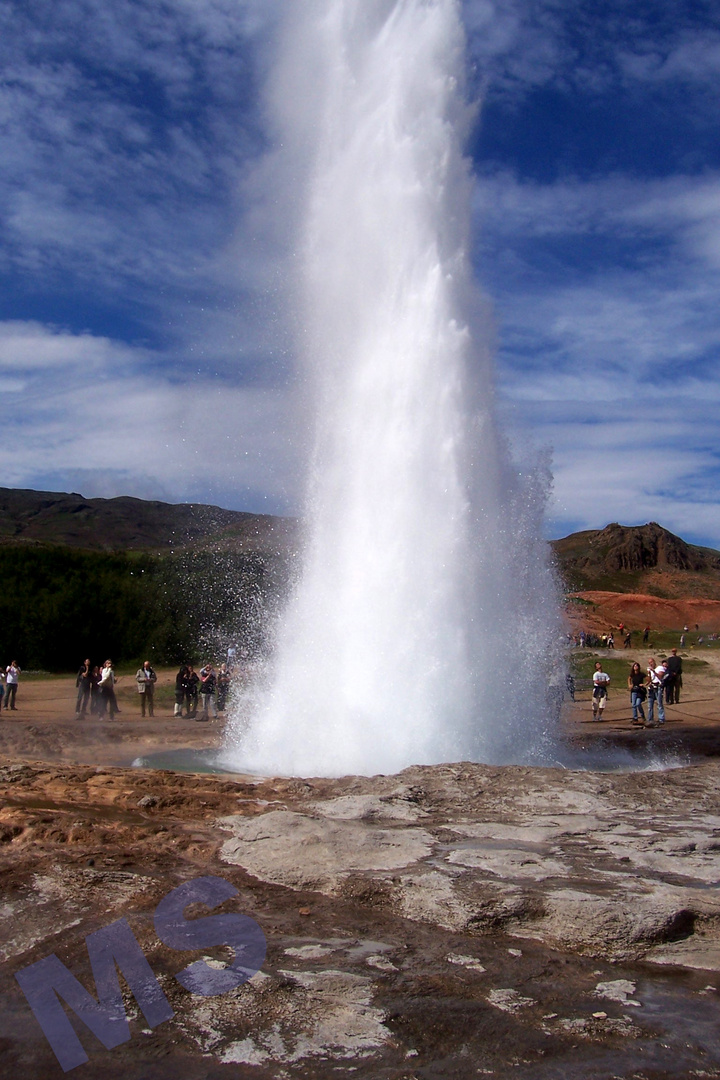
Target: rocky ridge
{"points": [[637, 559]]}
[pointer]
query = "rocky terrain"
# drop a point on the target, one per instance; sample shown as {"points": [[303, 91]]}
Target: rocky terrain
{"points": [[451, 921]]}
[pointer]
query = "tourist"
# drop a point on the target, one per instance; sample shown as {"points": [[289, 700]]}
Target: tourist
{"points": [[108, 701], [95, 695], [646, 635], [570, 685], [673, 682], [180, 679], [638, 693], [12, 677], [83, 683], [656, 675], [627, 641], [146, 679], [208, 686], [192, 682], [599, 698], [223, 687]]}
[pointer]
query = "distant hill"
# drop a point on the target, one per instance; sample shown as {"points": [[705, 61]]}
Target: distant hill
{"points": [[127, 524], [637, 559], [129, 578]]}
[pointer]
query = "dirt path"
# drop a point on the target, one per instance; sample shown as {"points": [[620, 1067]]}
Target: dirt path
{"points": [[44, 725], [691, 730]]}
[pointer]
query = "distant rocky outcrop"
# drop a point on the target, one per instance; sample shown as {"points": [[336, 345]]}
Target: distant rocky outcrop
{"points": [[636, 558]]}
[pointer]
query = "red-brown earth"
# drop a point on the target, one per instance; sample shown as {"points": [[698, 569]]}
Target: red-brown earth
{"points": [[451, 921]]}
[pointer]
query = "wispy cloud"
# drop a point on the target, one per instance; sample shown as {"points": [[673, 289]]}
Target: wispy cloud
{"points": [[609, 334], [90, 407], [144, 251]]}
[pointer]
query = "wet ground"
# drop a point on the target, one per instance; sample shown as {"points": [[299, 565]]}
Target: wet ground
{"points": [[453, 921]]}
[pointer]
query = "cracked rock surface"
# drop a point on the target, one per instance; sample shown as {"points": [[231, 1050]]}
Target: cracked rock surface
{"points": [[450, 921]]}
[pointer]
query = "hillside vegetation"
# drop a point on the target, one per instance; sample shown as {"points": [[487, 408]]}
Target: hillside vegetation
{"points": [[644, 559], [130, 580], [127, 524]]}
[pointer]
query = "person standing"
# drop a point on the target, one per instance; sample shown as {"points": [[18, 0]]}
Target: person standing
{"points": [[192, 682], [95, 695], [674, 681], [83, 683], [146, 679], [208, 686], [223, 686], [180, 690], [12, 677], [638, 693], [108, 701], [656, 675], [599, 698]]}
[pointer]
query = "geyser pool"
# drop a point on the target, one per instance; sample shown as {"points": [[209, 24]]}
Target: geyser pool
{"points": [[424, 626]]}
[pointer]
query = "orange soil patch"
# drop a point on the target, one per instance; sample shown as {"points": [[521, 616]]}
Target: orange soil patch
{"points": [[637, 610]]}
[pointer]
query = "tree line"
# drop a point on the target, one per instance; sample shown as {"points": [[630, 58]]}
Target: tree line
{"points": [[59, 605]]}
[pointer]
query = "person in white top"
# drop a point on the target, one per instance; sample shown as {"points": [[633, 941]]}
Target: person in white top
{"points": [[108, 701], [12, 677], [657, 674], [599, 698]]}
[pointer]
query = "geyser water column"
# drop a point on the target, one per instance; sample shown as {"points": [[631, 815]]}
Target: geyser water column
{"points": [[423, 622]]}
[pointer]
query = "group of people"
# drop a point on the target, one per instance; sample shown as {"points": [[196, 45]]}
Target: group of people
{"points": [[587, 640], [96, 690], [211, 687], [661, 680], [659, 685]]}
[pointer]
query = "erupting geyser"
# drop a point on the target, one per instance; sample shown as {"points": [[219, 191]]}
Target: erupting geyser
{"points": [[424, 623]]}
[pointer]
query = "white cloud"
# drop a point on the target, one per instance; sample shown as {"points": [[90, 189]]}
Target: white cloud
{"points": [[25, 346], [612, 359], [98, 408]]}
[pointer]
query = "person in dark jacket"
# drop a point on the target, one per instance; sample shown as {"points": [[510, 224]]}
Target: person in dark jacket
{"points": [[83, 683], [180, 680], [95, 695], [223, 686], [673, 681], [208, 686], [192, 684], [638, 693]]}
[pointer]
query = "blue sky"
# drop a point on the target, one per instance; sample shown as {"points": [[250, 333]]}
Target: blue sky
{"points": [[143, 348]]}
